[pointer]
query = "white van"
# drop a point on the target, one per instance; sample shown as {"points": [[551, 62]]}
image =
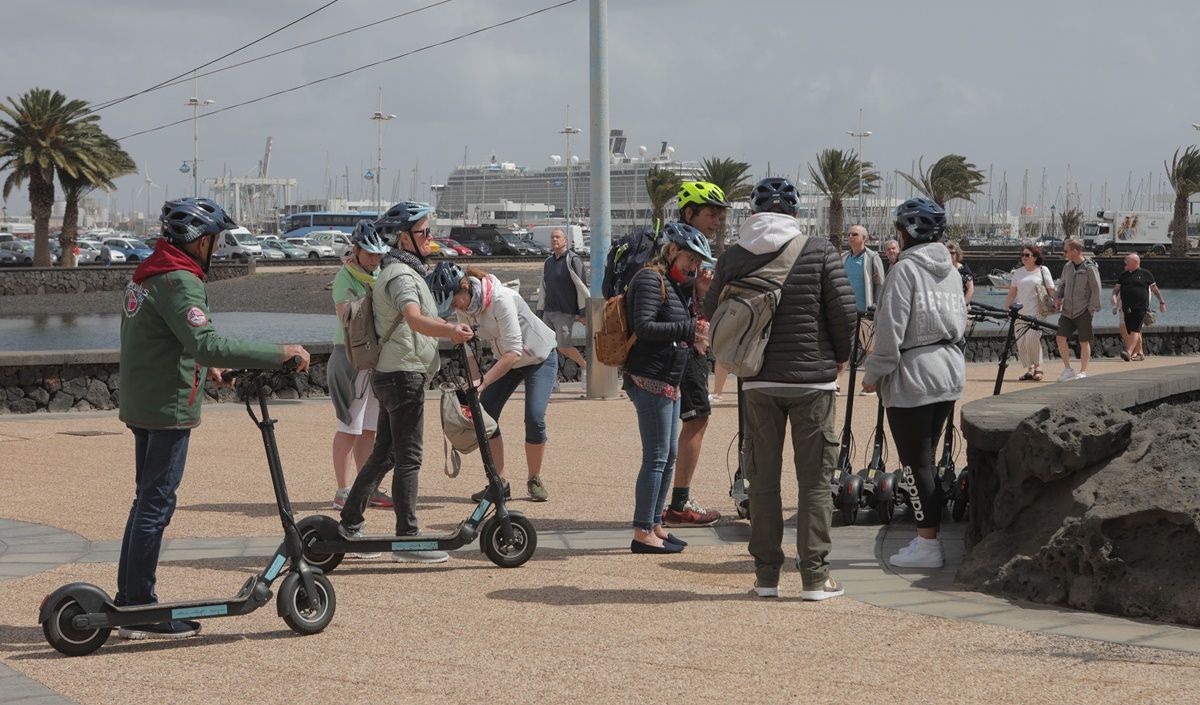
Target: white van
{"points": [[574, 233], [335, 239], [238, 243]]}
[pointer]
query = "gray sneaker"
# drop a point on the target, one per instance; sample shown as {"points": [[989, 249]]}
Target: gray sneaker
{"points": [[356, 533], [420, 556], [537, 489]]}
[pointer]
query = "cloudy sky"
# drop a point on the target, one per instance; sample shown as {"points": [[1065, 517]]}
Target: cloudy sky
{"points": [[1105, 88]]}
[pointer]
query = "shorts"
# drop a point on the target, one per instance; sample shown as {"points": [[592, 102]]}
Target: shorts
{"points": [[693, 389], [364, 408], [562, 324], [1080, 325], [1134, 318]]}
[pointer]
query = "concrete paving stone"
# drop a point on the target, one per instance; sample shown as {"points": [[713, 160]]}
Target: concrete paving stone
{"points": [[1122, 633], [1178, 641]]}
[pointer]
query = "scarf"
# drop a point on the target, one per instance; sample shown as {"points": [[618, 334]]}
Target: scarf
{"points": [[166, 258], [367, 278], [481, 294], [404, 257]]}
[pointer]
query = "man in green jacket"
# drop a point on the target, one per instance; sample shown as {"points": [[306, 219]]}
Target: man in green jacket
{"points": [[168, 348]]}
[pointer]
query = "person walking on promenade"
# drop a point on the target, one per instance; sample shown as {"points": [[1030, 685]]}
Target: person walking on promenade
{"points": [[1131, 295], [354, 404], [1026, 281], [918, 367], [701, 206], [168, 347], [408, 359], [667, 334], [968, 277], [809, 345], [1078, 301], [563, 295], [864, 268], [524, 350], [891, 249]]}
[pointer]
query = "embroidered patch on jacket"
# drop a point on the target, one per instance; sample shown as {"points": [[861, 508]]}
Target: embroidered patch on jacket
{"points": [[135, 294], [196, 317]]}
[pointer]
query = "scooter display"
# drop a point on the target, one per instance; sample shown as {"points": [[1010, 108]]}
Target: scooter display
{"points": [[78, 618], [507, 538]]}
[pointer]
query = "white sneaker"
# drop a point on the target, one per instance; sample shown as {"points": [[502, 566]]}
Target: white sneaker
{"points": [[829, 589], [1066, 374], [1081, 375], [920, 553], [345, 532], [420, 556], [765, 591]]}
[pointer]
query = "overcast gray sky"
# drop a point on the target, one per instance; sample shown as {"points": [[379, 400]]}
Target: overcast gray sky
{"points": [[1106, 87]]}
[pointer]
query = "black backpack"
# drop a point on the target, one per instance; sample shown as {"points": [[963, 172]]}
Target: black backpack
{"points": [[626, 256]]}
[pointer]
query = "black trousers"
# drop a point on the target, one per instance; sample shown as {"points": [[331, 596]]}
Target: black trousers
{"points": [[915, 431]]}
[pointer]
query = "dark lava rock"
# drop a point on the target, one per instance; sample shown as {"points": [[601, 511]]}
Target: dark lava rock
{"points": [[1098, 510], [61, 401], [23, 406]]}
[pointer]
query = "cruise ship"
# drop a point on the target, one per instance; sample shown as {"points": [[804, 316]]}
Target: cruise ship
{"points": [[486, 192]]}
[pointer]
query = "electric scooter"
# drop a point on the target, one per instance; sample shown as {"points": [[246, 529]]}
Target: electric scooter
{"points": [[78, 618], [739, 488], [507, 538], [847, 487], [879, 487]]}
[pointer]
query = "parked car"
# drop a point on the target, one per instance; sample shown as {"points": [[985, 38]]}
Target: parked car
{"points": [[270, 252], [89, 252], [336, 239], [314, 250], [8, 258], [487, 239], [287, 249], [23, 249], [134, 250], [453, 245]]}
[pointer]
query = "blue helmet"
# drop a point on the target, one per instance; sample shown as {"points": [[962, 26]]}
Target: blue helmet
{"points": [[921, 219], [775, 194], [688, 238], [368, 239], [443, 283], [401, 218], [188, 219]]}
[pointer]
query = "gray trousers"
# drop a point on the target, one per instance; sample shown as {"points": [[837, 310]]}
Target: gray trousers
{"points": [[810, 413]]}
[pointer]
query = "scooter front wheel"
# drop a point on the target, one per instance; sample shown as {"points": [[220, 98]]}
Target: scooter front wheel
{"points": [[319, 528], [65, 638], [509, 554], [885, 498], [294, 607]]}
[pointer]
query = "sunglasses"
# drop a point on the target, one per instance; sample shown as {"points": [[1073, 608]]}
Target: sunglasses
{"points": [[1026, 254], [424, 232]]}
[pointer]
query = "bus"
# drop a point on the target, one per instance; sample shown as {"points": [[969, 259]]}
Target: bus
{"points": [[300, 224]]}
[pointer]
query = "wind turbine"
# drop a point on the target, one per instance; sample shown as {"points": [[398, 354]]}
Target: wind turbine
{"points": [[148, 185]]}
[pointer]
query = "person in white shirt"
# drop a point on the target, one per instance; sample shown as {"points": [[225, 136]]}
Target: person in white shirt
{"points": [[1024, 290]]}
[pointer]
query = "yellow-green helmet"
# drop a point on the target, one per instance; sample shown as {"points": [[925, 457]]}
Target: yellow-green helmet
{"points": [[701, 193]]}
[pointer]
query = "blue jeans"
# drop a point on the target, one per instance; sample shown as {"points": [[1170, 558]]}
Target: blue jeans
{"points": [[658, 425], [539, 383], [159, 459]]}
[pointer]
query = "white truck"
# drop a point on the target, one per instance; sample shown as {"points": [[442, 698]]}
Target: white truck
{"points": [[1119, 232]]}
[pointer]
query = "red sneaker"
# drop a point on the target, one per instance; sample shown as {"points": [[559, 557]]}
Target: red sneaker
{"points": [[692, 515], [379, 498]]}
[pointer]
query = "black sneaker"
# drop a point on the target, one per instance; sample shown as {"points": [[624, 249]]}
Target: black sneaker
{"points": [[507, 492], [174, 629]]}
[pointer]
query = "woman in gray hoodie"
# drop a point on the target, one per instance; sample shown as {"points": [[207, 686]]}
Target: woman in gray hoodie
{"points": [[916, 365]]}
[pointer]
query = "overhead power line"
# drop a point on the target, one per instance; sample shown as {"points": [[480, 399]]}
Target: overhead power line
{"points": [[184, 79], [109, 104], [350, 71]]}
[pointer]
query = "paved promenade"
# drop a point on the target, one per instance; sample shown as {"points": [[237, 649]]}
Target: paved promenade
{"points": [[584, 621]]}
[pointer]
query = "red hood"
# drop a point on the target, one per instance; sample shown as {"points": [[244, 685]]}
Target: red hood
{"points": [[166, 258]]}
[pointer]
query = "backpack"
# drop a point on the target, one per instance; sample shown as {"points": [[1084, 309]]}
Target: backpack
{"points": [[626, 257], [612, 339], [741, 325], [358, 326], [459, 428]]}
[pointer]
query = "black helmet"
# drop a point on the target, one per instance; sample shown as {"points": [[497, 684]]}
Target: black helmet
{"points": [[443, 283], [775, 194], [921, 219], [401, 218], [366, 237], [189, 219]]}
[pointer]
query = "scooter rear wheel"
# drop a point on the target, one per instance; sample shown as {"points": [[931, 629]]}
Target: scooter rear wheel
{"points": [[65, 638], [508, 555], [294, 607], [885, 499], [319, 528]]}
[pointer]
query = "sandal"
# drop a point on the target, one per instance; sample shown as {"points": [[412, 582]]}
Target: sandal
{"points": [[1037, 376], [1027, 377], [1138, 358]]}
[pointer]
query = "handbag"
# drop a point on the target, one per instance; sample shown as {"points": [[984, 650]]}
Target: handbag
{"points": [[1148, 318], [458, 428], [1045, 301]]}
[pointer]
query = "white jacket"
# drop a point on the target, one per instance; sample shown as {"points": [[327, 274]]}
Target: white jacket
{"points": [[508, 324]]}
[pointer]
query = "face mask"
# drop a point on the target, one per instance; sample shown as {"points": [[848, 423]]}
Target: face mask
{"points": [[679, 276]]}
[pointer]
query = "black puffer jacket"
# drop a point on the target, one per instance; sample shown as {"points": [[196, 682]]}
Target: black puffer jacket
{"points": [[665, 330], [814, 320]]}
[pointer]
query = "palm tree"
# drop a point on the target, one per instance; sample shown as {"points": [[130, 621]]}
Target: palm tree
{"points": [[1070, 219], [112, 162], [35, 141], [948, 178], [837, 176], [733, 177], [661, 185], [1184, 174]]}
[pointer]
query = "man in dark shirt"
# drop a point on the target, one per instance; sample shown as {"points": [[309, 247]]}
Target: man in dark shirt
{"points": [[1132, 295], [559, 301]]}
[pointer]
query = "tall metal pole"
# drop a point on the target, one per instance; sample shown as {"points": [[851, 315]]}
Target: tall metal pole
{"points": [[568, 131], [860, 135], [196, 102], [601, 380], [379, 117]]}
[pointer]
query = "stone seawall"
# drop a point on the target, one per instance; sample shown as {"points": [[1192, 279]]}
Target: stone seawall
{"points": [[987, 344], [78, 280]]}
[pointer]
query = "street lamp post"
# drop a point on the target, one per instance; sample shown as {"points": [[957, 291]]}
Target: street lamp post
{"points": [[196, 103], [568, 131], [380, 117], [860, 134]]}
